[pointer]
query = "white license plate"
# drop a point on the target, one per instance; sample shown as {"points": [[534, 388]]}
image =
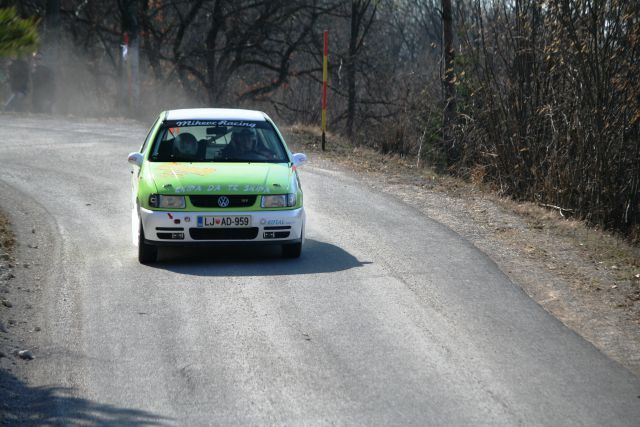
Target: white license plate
{"points": [[230, 221]]}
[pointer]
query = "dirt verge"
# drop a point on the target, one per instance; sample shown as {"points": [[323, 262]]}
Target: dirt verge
{"points": [[7, 320], [7, 261], [587, 278], [25, 248]]}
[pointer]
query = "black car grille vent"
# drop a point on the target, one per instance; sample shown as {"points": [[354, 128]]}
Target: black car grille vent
{"points": [[223, 233], [212, 201]]}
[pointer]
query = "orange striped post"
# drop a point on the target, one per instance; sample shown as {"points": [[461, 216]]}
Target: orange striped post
{"points": [[325, 66]]}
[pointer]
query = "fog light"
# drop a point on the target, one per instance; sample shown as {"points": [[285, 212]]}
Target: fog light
{"points": [[268, 235], [179, 236]]}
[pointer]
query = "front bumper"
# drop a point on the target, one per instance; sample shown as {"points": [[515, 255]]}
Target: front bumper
{"points": [[181, 228]]}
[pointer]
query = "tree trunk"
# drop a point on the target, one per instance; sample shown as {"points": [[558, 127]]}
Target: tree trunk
{"points": [[51, 47], [351, 66], [149, 47], [448, 88], [217, 23], [130, 82]]}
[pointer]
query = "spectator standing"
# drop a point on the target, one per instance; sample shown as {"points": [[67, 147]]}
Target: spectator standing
{"points": [[19, 84]]}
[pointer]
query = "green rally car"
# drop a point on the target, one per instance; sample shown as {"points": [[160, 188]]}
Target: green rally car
{"points": [[209, 176]]}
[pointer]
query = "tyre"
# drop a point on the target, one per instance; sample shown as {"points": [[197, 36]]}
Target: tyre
{"points": [[147, 253], [292, 250]]}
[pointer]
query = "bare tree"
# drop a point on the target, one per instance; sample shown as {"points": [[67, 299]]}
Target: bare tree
{"points": [[362, 16], [448, 76]]}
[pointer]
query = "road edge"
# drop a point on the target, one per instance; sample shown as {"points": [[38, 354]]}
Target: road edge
{"points": [[32, 277]]}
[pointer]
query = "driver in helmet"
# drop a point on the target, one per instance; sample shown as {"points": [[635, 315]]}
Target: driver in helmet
{"points": [[243, 146]]}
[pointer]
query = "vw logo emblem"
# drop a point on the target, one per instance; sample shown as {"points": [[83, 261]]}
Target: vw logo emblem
{"points": [[223, 201]]}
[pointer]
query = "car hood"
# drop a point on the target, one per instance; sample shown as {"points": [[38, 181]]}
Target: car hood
{"points": [[221, 178]]}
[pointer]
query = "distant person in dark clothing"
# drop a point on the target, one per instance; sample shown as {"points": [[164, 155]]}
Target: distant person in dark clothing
{"points": [[44, 87], [19, 84]]}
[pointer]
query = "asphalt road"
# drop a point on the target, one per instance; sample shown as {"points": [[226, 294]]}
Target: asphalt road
{"points": [[387, 318]]}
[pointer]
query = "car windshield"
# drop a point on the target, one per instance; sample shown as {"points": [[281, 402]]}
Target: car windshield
{"points": [[217, 141]]}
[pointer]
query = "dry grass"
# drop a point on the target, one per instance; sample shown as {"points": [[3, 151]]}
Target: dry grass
{"points": [[608, 248], [361, 159]]}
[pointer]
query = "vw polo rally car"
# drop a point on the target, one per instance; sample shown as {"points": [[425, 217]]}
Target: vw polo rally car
{"points": [[209, 176]]}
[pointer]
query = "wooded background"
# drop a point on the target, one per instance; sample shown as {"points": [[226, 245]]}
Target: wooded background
{"points": [[539, 99]]}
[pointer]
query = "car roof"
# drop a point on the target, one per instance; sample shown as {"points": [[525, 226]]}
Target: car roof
{"points": [[215, 114]]}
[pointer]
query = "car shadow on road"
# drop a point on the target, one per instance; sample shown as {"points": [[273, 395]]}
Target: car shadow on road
{"points": [[317, 257], [24, 405]]}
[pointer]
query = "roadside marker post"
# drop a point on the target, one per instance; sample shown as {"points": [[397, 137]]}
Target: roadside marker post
{"points": [[325, 72], [126, 95]]}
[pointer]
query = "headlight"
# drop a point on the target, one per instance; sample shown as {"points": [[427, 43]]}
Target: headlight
{"points": [[167, 202], [279, 201]]}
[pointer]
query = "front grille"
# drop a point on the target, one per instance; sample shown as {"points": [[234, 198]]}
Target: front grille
{"points": [[211, 201], [223, 233]]}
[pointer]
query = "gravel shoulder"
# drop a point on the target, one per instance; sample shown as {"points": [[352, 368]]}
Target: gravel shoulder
{"points": [[27, 248], [587, 278]]}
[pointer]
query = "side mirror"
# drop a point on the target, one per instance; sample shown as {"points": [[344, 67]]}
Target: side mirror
{"points": [[299, 159], [135, 159]]}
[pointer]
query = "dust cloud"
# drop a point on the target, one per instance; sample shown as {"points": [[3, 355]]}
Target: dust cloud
{"points": [[68, 81]]}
